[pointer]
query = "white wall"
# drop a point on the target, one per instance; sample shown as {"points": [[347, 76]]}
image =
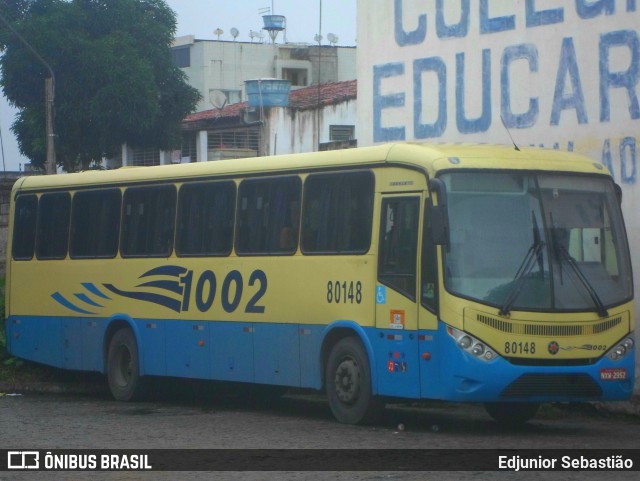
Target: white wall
{"points": [[562, 74], [297, 131]]}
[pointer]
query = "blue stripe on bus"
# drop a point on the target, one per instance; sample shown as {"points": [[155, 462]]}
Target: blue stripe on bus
{"points": [[165, 301], [173, 271], [86, 299], [94, 290], [64, 302], [172, 286], [289, 355]]}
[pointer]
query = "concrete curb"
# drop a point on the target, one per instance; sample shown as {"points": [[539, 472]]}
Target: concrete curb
{"points": [[630, 407]]}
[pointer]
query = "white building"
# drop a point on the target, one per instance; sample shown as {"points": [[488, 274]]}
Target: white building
{"points": [[224, 126], [219, 68]]}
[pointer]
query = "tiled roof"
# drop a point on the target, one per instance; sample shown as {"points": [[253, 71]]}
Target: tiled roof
{"points": [[329, 94], [300, 99]]}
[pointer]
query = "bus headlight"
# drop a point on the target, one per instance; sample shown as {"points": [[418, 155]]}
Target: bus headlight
{"points": [[621, 349], [470, 344]]}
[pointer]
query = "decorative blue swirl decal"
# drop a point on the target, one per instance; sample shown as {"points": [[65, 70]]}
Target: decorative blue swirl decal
{"points": [[84, 302], [165, 301], [61, 300], [94, 290]]}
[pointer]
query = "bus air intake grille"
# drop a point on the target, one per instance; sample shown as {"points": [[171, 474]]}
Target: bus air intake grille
{"points": [[549, 330], [556, 385]]}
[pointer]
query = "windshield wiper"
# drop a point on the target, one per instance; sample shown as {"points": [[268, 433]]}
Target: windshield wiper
{"points": [[564, 254], [526, 266]]}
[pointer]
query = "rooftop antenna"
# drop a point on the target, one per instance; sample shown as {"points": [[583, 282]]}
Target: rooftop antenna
{"points": [[234, 33], [218, 32], [333, 39]]}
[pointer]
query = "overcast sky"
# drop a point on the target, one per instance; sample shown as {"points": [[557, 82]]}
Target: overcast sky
{"points": [[202, 17]]}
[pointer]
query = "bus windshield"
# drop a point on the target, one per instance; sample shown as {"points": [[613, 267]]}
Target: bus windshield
{"points": [[537, 242]]}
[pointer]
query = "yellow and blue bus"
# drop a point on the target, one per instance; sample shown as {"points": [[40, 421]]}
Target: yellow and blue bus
{"points": [[468, 273]]}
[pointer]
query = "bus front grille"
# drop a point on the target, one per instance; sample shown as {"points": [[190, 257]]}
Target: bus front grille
{"points": [[549, 330], [560, 385]]}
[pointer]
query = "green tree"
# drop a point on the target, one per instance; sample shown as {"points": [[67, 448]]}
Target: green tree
{"points": [[115, 80]]}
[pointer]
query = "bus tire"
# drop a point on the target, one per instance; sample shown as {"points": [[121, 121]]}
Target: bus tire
{"points": [[512, 414], [123, 367], [348, 384]]}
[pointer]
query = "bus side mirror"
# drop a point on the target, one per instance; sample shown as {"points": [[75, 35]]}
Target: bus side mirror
{"points": [[439, 225], [439, 221]]}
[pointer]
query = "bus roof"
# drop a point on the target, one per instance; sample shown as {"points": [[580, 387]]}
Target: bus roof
{"points": [[429, 157]]}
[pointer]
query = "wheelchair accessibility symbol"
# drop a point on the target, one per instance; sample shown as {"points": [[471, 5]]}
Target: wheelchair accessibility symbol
{"points": [[381, 295]]}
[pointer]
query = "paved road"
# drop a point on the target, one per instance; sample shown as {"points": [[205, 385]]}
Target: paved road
{"points": [[199, 418]]}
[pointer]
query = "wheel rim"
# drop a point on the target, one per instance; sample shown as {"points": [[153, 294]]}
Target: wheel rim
{"points": [[347, 381]]}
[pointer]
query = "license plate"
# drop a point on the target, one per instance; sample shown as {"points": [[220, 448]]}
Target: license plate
{"points": [[616, 374]]}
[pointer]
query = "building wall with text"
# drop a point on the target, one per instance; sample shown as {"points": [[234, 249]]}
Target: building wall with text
{"points": [[561, 74]]}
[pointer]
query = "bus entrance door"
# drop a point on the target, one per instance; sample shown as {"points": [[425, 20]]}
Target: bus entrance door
{"points": [[396, 305]]}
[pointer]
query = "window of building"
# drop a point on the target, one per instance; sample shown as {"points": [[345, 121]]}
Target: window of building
{"points": [[145, 157], [205, 219], [181, 56], [52, 235], [189, 146], [247, 138], [338, 212], [95, 223], [148, 218], [24, 227], [268, 216], [299, 77], [339, 133], [399, 244]]}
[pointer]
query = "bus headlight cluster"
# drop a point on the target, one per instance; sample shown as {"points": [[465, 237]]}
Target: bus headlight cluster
{"points": [[471, 345], [621, 349]]}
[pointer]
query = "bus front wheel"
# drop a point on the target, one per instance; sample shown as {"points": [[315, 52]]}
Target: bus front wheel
{"points": [[123, 371], [512, 413], [348, 383]]}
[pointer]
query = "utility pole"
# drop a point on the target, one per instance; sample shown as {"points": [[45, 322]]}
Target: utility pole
{"points": [[49, 89]]}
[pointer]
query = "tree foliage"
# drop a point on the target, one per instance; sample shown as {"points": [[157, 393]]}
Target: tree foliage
{"points": [[114, 77]]}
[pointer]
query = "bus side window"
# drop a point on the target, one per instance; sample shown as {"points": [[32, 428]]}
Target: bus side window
{"points": [[95, 224], [148, 221], [205, 219], [399, 244], [24, 227], [268, 218], [52, 233], [338, 213]]}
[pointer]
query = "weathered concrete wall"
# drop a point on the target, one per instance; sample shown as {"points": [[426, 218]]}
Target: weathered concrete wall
{"points": [[559, 74]]}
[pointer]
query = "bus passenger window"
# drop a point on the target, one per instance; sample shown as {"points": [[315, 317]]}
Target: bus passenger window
{"points": [[399, 244], [53, 226], [24, 227], [148, 220], [268, 216], [95, 224], [205, 219], [338, 212]]}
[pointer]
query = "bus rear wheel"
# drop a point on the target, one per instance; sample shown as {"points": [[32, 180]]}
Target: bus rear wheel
{"points": [[348, 383], [512, 414], [123, 371]]}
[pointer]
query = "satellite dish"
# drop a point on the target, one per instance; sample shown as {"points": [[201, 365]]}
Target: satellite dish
{"points": [[333, 39], [318, 38], [234, 32], [218, 32], [218, 99]]}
